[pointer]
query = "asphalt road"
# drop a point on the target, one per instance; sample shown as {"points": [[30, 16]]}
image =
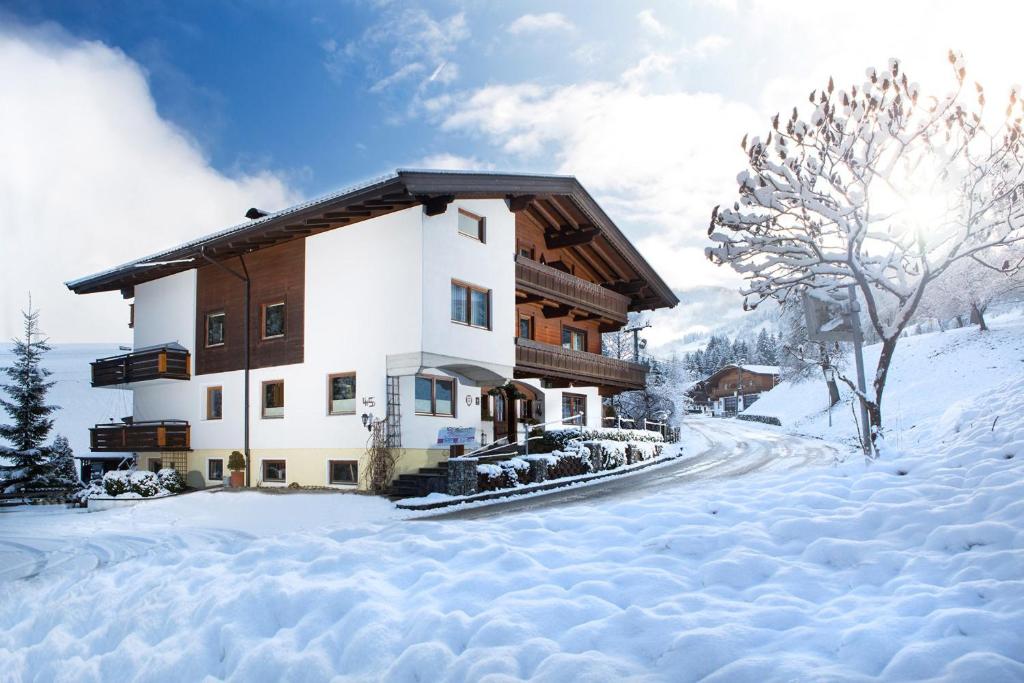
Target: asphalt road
{"points": [[721, 448]]}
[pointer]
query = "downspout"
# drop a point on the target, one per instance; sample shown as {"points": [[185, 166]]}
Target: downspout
{"points": [[245, 355]]}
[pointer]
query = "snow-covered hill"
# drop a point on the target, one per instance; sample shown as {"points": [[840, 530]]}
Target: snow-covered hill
{"points": [[933, 376], [81, 406]]}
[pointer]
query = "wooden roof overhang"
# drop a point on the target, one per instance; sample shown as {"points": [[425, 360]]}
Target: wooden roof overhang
{"points": [[570, 217]]}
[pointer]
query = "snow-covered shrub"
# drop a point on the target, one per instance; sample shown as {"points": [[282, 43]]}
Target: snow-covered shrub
{"points": [[563, 435], [146, 484], [491, 477], [116, 483], [171, 480]]}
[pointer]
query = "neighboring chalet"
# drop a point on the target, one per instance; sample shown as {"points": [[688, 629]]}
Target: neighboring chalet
{"points": [[733, 388], [425, 299]]}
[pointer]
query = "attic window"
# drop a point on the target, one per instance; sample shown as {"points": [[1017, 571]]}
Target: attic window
{"points": [[471, 225]]}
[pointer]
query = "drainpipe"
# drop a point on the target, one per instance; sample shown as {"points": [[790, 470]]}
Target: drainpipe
{"points": [[245, 355]]}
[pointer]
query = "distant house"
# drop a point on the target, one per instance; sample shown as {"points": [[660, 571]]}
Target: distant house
{"points": [[733, 388]]}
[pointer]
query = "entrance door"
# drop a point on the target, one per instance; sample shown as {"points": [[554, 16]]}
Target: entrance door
{"points": [[504, 417]]}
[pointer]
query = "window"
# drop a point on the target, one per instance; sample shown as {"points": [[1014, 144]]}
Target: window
{"points": [[471, 305], [471, 225], [273, 398], [215, 329], [526, 326], [574, 339], [341, 394], [435, 396], [525, 250], [273, 320], [344, 472], [574, 405], [274, 471], [525, 409], [214, 469], [214, 403]]}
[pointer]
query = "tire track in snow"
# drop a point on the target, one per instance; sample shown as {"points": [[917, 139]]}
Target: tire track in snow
{"points": [[733, 449]]}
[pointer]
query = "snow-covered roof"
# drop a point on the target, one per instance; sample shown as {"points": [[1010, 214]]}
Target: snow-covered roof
{"points": [[761, 369]]}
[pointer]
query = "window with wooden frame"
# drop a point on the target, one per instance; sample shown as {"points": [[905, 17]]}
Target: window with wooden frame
{"points": [[343, 471], [435, 396], [274, 471], [525, 409], [215, 469], [524, 249], [273, 399], [215, 328], [573, 338], [272, 320], [471, 305], [131, 316], [214, 403], [341, 393], [574, 409], [472, 225], [526, 326]]}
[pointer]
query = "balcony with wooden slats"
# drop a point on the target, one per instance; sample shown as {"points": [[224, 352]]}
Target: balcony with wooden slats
{"points": [[547, 361], [550, 284], [171, 362], [158, 435]]}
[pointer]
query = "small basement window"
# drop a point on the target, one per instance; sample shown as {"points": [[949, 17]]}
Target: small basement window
{"points": [[344, 472], [274, 471], [273, 399], [215, 469], [215, 328], [472, 225], [273, 320]]}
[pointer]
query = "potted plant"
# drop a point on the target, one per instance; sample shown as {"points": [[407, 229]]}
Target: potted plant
{"points": [[236, 463]]}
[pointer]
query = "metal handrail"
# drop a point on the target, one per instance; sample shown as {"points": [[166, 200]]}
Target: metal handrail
{"points": [[504, 442]]}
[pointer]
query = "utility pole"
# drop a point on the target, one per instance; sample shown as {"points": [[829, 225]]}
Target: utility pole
{"points": [[636, 340]]}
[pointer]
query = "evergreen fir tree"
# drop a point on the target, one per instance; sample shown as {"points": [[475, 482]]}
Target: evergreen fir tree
{"points": [[62, 468], [27, 392]]}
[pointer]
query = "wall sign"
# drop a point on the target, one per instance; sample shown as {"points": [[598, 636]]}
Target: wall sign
{"points": [[455, 436], [469, 400]]}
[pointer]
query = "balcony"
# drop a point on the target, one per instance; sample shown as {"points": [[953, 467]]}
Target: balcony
{"points": [[535, 359], [160, 362], [551, 284], [162, 435]]}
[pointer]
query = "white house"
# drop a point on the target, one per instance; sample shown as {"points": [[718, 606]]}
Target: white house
{"points": [[425, 299]]}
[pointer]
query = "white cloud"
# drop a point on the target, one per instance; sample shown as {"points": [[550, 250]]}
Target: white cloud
{"points": [[93, 177], [709, 45], [532, 23], [650, 24], [453, 162]]}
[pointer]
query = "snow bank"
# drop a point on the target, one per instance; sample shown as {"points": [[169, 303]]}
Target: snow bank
{"points": [[931, 373]]}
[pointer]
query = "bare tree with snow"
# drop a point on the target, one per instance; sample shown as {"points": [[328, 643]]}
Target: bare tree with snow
{"points": [[969, 287], [881, 188]]}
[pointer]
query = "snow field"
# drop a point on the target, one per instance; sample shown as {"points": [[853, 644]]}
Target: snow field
{"points": [[907, 569]]}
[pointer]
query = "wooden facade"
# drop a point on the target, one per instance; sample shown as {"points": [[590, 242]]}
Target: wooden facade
{"points": [[731, 380], [277, 275]]}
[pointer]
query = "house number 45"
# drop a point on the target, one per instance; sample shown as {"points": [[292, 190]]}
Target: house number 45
{"points": [[369, 402]]}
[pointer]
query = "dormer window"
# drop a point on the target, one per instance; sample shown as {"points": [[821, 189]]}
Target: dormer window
{"points": [[472, 225]]}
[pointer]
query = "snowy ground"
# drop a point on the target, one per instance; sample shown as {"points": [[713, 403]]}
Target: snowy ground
{"points": [[931, 373], [903, 570]]}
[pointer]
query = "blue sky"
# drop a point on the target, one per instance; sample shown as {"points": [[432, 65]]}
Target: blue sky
{"points": [[202, 109]]}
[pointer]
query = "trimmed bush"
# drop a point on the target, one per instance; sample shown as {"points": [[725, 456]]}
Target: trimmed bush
{"points": [[764, 419], [171, 480]]}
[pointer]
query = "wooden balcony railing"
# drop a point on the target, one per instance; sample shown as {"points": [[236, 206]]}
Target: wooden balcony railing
{"points": [[162, 435], [536, 359], [166, 362], [553, 284]]}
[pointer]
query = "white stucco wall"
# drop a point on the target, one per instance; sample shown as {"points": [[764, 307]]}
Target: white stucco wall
{"points": [[165, 311]]}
